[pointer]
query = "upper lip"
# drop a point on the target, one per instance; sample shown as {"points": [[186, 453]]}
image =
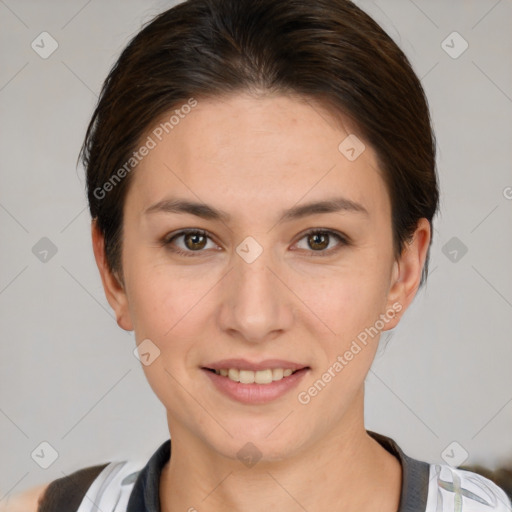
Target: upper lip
{"points": [[243, 364]]}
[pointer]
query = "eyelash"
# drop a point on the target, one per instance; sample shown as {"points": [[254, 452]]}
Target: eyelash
{"points": [[167, 241]]}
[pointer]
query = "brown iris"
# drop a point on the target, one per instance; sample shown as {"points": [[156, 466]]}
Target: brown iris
{"points": [[197, 241], [319, 240]]}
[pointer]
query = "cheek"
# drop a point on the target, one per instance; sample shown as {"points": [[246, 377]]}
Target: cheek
{"points": [[161, 296], [350, 306], [169, 311], [346, 301]]}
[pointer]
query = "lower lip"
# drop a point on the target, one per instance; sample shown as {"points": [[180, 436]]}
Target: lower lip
{"points": [[255, 394]]}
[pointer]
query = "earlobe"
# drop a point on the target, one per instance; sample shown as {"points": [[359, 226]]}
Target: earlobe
{"points": [[114, 289], [407, 271]]}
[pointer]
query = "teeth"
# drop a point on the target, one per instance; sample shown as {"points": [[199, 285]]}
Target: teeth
{"points": [[234, 374], [277, 374], [260, 377]]}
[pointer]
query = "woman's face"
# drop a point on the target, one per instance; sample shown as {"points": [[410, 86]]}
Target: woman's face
{"points": [[256, 286]]}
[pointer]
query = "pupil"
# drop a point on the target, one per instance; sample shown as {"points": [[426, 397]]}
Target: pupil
{"points": [[195, 244], [315, 238]]}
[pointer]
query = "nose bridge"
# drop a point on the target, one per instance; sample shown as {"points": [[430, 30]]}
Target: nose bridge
{"points": [[255, 304]]}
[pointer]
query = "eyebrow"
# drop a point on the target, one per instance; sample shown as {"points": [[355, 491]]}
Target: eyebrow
{"points": [[333, 205]]}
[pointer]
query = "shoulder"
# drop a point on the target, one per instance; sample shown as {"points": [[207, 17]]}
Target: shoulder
{"points": [[112, 486], [107, 487], [64, 493], [27, 501], [79, 491], [452, 489]]}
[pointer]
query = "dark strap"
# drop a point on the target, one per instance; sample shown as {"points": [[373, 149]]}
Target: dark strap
{"points": [[65, 494], [415, 476]]}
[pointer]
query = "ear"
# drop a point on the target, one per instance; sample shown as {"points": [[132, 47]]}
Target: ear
{"points": [[114, 289], [407, 270]]}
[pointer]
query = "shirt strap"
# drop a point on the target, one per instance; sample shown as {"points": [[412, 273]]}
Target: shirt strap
{"points": [[66, 493]]}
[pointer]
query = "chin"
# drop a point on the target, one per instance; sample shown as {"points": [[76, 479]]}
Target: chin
{"points": [[261, 441]]}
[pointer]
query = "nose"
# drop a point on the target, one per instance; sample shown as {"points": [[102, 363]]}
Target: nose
{"points": [[256, 305]]}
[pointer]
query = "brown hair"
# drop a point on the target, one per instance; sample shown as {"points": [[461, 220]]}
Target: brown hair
{"points": [[326, 50]]}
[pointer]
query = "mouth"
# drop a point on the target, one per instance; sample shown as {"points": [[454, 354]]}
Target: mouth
{"points": [[255, 383], [265, 376]]}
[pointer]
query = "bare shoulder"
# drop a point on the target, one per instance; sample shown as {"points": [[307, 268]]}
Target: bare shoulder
{"points": [[26, 501]]}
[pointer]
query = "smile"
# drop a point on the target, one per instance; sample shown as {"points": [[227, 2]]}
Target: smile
{"points": [[254, 387], [259, 377]]}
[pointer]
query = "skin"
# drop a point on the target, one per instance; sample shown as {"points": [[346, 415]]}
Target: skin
{"points": [[253, 157], [26, 501]]}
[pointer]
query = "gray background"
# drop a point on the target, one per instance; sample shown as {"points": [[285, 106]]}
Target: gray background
{"points": [[68, 373]]}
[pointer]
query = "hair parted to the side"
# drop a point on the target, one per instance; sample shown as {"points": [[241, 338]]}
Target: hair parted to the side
{"points": [[325, 50]]}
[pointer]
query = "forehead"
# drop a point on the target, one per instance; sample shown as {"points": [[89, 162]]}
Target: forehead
{"points": [[257, 155]]}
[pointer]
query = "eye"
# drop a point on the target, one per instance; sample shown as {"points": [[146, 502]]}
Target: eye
{"points": [[319, 239], [194, 240]]}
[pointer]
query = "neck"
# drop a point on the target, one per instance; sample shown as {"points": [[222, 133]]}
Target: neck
{"points": [[346, 469]]}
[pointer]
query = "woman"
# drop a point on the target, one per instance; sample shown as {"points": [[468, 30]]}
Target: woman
{"points": [[262, 185]]}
